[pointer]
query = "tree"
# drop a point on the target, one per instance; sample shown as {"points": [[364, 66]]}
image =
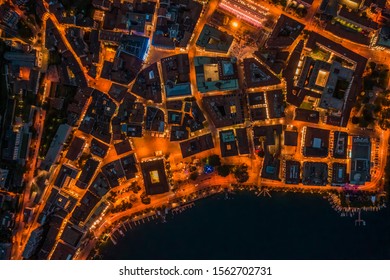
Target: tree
{"points": [[358, 102], [377, 107], [363, 122], [367, 114], [241, 173], [134, 187], [144, 198], [24, 30], [213, 160], [261, 153], [192, 168], [302, 12], [355, 120], [194, 176], [223, 170], [372, 65]]}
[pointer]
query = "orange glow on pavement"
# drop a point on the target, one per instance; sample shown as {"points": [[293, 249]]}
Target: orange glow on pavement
{"points": [[235, 24]]}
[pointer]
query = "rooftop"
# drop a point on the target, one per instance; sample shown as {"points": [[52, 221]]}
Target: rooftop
{"points": [[212, 39], [155, 178], [100, 186], [176, 75], [290, 138], [179, 133], [87, 203], [257, 75], [71, 235], [227, 142], [148, 85], [293, 172], [123, 21], [56, 145], [114, 173], [306, 115], [315, 173], [317, 41], [196, 145], [117, 92], [253, 13], [98, 148], [275, 59], [275, 104], [216, 73], [135, 45], [175, 23], [129, 165], [65, 174], [285, 32], [75, 149], [316, 142], [258, 114], [269, 134], [256, 98], [242, 141], [87, 173], [339, 174], [154, 120], [271, 167], [340, 144], [384, 37], [175, 117], [122, 147], [63, 252], [360, 160], [225, 110], [357, 19]]}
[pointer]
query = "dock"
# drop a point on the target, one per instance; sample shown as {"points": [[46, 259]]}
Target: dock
{"points": [[113, 239], [180, 209], [359, 221], [264, 192]]}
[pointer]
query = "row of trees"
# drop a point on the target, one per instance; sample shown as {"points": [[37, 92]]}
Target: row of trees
{"points": [[376, 76], [377, 111], [122, 207], [375, 79], [240, 172]]}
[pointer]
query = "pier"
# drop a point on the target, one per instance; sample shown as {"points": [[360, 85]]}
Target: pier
{"points": [[264, 192], [359, 221], [183, 208]]}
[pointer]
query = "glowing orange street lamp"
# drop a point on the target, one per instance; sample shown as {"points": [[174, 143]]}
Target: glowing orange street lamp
{"points": [[234, 24]]}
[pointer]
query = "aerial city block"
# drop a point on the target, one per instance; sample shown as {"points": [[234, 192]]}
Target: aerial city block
{"points": [[115, 113]]}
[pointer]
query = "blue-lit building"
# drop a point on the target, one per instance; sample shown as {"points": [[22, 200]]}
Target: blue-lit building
{"points": [[135, 45]]}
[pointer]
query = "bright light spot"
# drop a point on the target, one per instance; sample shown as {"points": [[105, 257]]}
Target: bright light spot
{"points": [[235, 24]]}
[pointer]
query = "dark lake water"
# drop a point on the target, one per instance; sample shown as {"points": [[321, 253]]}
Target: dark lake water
{"points": [[286, 226]]}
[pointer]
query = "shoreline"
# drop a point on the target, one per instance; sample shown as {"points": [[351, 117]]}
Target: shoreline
{"points": [[180, 204]]}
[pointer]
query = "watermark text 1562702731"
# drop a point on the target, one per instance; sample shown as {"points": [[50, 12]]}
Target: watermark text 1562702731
{"points": [[242, 270]]}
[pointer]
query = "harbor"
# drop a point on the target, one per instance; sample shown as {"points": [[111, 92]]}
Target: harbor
{"points": [[277, 227]]}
